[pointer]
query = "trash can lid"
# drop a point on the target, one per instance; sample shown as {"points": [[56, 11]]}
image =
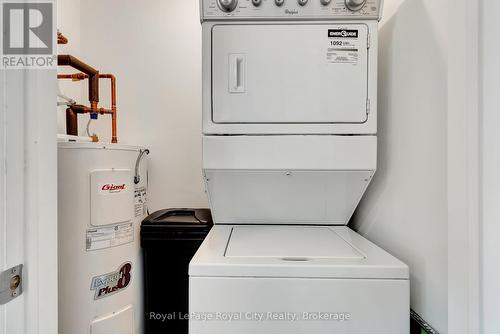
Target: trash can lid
{"points": [[199, 219]]}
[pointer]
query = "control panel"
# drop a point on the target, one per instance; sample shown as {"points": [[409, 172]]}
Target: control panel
{"points": [[290, 9]]}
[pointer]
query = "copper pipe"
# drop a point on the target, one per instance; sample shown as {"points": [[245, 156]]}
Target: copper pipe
{"points": [[113, 111], [61, 39], [114, 138], [93, 75], [74, 77], [71, 122], [81, 109]]}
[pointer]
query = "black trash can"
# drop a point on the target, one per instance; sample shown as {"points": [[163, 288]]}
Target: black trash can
{"points": [[169, 239]]}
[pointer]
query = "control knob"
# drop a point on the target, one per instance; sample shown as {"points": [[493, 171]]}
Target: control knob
{"points": [[279, 2], [355, 5], [325, 2], [227, 5], [256, 3], [302, 2]]}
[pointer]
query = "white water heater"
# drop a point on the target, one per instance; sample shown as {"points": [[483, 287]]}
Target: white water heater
{"points": [[102, 201]]}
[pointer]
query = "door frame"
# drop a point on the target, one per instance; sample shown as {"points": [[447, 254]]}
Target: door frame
{"points": [[28, 198], [464, 175]]}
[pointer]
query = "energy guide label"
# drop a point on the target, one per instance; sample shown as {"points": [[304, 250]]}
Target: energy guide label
{"points": [[343, 46], [342, 54], [109, 236]]}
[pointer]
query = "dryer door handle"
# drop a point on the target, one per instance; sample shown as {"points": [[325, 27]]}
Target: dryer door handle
{"points": [[237, 65]]}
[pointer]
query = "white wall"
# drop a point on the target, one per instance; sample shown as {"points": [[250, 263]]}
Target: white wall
{"points": [[68, 22], [490, 84], [405, 208], [154, 49]]}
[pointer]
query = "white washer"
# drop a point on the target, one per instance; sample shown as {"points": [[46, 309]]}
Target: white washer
{"points": [[256, 273], [289, 148]]}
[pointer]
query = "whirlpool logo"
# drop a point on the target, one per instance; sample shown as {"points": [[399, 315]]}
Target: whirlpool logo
{"points": [[343, 33]]}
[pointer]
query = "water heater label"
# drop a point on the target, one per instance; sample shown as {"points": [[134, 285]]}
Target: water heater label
{"points": [[108, 284], [343, 46], [140, 203], [109, 236]]}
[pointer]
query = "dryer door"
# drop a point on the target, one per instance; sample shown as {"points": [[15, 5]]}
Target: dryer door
{"points": [[284, 73]]}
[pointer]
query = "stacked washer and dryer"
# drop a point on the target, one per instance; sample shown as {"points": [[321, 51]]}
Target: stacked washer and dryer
{"points": [[289, 148]]}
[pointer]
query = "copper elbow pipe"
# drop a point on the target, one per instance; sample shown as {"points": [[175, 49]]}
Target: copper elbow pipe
{"points": [[113, 111], [92, 73]]}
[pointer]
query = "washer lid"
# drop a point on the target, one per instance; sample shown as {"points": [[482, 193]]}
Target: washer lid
{"points": [[292, 244], [292, 251]]}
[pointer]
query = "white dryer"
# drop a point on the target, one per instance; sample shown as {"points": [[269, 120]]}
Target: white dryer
{"points": [[289, 148]]}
